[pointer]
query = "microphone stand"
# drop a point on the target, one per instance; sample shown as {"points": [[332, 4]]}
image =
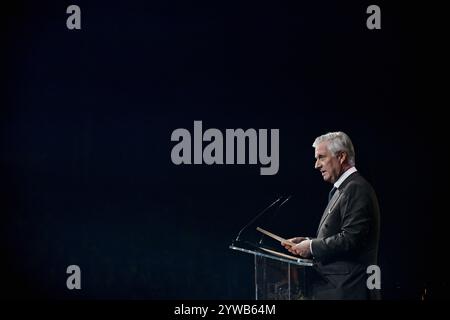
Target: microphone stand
{"points": [[273, 216], [256, 218]]}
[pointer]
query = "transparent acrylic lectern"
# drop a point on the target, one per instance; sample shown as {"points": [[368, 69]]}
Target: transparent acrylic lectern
{"points": [[277, 277]]}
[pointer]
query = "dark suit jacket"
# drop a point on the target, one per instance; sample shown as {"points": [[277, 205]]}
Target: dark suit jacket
{"points": [[347, 242]]}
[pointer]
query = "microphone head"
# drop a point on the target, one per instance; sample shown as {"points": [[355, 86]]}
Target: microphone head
{"points": [[285, 200]]}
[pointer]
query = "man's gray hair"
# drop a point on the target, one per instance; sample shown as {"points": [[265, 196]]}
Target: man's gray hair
{"points": [[338, 142]]}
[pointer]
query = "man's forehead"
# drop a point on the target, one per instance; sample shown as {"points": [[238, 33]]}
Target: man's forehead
{"points": [[321, 148]]}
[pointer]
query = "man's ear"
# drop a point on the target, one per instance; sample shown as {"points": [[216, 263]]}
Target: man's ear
{"points": [[343, 157]]}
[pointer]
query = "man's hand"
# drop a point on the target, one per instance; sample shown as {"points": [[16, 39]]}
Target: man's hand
{"points": [[302, 247], [295, 240]]}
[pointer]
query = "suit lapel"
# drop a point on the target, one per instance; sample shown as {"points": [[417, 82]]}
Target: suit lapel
{"points": [[336, 196], [334, 200]]}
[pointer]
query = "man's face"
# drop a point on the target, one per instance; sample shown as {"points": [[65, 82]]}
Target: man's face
{"points": [[329, 165]]}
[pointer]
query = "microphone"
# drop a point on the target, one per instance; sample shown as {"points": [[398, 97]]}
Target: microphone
{"points": [[257, 217], [273, 216]]}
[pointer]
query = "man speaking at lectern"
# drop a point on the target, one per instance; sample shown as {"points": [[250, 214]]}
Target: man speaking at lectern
{"points": [[347, 237]]}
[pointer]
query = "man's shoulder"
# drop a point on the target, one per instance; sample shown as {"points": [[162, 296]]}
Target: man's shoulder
{"points": [[357, 183]]}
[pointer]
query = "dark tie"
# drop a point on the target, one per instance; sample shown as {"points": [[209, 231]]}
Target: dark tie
{"points": [[330, 195]]}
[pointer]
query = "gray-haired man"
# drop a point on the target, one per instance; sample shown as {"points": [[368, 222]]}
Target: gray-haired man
{"points": [[347, 237]]}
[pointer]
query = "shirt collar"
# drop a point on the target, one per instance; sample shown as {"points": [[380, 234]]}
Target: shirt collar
{"points": [[344, 176]]}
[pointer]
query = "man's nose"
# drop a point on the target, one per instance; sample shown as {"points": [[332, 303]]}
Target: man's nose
{"points": [[316, 165]]}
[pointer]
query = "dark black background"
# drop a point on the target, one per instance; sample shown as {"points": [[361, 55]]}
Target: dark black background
{"points": [[86, 117]]}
